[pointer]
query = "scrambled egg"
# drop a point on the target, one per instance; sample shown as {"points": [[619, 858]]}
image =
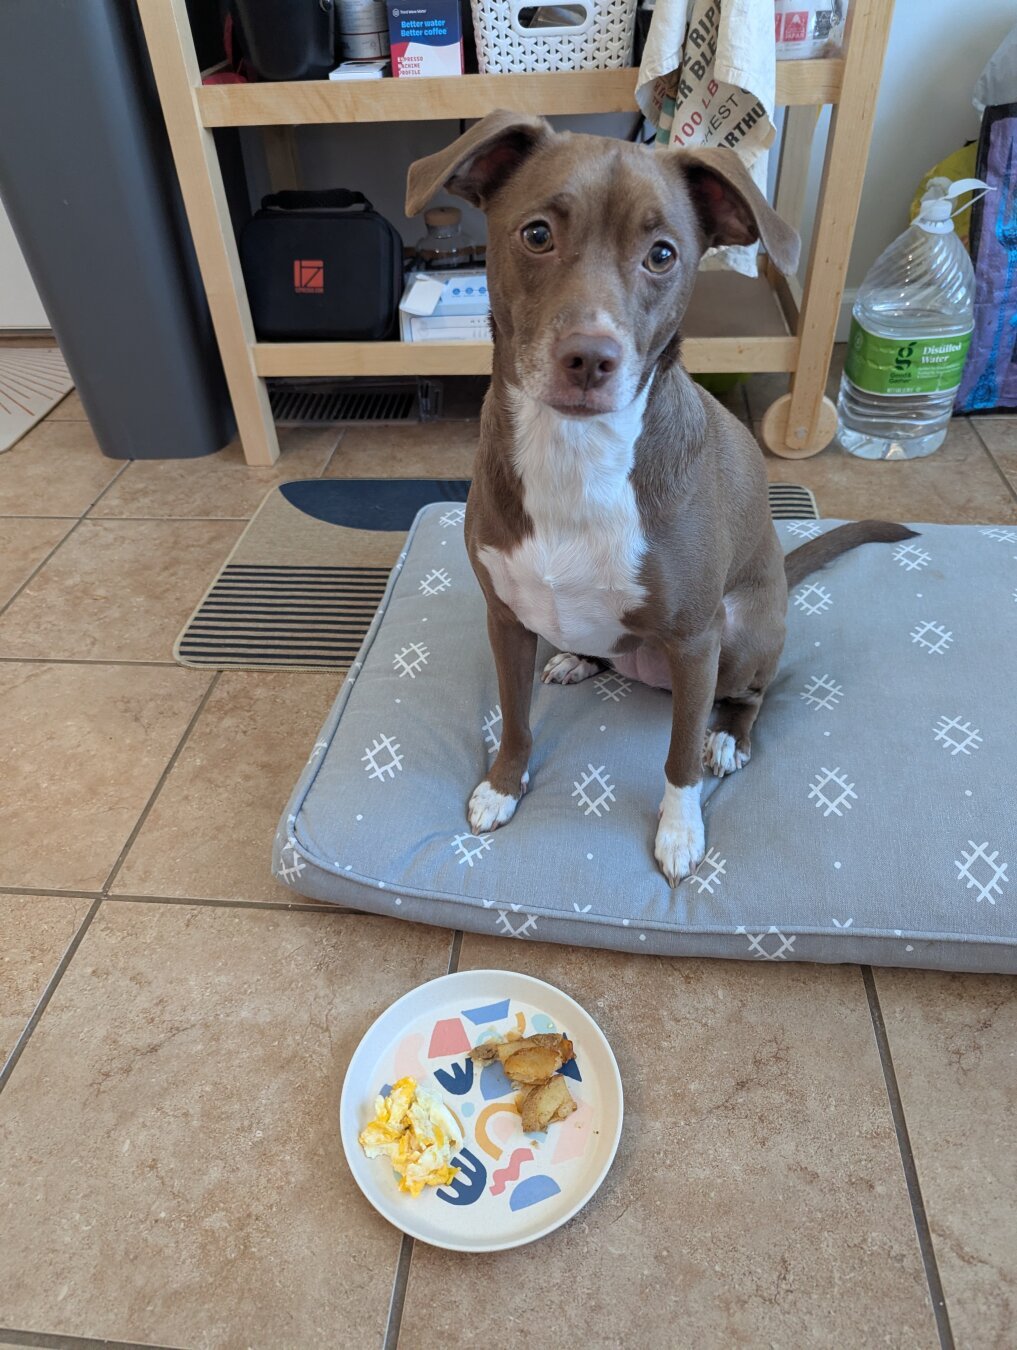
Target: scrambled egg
{"points": [[414, 1128]]}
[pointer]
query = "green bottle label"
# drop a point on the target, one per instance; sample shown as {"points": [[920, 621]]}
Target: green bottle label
{"points": [[881, 365]]}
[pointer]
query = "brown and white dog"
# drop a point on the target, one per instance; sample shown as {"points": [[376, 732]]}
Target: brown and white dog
{"points": [[617, 510]]}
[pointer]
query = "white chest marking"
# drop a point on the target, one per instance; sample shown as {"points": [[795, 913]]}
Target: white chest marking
{"points": [[577, 574]]}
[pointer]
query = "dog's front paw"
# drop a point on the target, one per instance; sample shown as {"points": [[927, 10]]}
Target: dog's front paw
{"points": [[722, 755], [567, 668], [490, 808], [681, 837]]}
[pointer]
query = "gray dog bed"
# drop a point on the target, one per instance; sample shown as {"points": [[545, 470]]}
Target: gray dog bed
{"points": [[875, 822]]}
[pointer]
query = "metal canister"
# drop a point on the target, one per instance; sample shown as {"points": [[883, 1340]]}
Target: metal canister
{"points": [[363, 29]]}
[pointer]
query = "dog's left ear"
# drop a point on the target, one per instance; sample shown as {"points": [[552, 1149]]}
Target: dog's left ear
{"points": [[478, 163], [732, 210]]}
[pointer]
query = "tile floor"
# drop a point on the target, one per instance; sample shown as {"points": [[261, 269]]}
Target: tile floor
{"points": [[830, 1161]]}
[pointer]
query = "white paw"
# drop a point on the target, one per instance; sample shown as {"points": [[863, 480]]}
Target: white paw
{"points": [[489, 808], [681, 838], [722, 755], [567, 668]]}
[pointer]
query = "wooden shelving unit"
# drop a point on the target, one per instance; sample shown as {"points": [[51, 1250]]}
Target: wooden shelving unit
{"points": [[734, 324]]}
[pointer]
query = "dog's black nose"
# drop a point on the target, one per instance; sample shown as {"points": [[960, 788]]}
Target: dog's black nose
{"points": [[588, 359]]}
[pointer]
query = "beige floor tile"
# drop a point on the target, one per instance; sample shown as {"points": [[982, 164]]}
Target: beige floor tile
{"points": [[209, 834], [118, 590], [69, 409], [999, 435], [957, 484], [954, 1044], [82, 748], [34, 933], [423, 450], [56, 470], [183, 1089], [215, 486], [757, 1197], [23, 545]]}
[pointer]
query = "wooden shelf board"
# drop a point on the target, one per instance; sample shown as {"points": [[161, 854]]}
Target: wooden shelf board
{"points": [[724, 308], [305, 102], [315, 359]]}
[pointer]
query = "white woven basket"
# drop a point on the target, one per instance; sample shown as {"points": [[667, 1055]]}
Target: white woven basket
{"points": [[601, 42]]}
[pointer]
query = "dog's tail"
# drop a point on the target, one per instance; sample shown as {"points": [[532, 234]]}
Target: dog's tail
{"points": [[818, 552]]}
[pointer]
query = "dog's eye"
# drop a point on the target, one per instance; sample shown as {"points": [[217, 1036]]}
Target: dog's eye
{"points": [[537, 236], [661, 258]]}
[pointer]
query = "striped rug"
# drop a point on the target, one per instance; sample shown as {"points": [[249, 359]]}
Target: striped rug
{"points": [[33, 380], [305, 578]]}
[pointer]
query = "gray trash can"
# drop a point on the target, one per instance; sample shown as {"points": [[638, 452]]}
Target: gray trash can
{"points": [[88, 182]]}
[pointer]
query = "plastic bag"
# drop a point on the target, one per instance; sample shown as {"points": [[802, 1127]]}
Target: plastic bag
{"points": [[809, 28]]}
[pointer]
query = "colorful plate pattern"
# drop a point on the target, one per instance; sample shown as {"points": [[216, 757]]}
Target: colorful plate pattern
{"points": [[512, 1188]]}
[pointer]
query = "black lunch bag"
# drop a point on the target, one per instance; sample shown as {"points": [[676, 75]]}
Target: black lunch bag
{"points": [[322, 265]]}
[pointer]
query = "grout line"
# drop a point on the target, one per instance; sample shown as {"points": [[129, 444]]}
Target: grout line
{"points": [[51, 892], [395, 1307], [1010, 487], [907, 1157], [169, 520], [59, 545], [44, 1340], [85, 661], [47, 994], [455, 952], [159, 785], [296, 906]]}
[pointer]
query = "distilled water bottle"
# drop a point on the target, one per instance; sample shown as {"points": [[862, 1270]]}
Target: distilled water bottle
{"points": [[910, 331]]}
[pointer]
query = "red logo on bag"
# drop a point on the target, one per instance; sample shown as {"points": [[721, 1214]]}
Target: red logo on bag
{"points": [[308, 276], [796, 26], [778, 24]]}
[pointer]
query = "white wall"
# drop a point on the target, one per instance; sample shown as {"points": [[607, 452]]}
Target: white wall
{"points": [[937, 51], [20, 306]]}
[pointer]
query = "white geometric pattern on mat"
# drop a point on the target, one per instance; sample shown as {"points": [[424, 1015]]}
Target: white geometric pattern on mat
{"points": [[912, 557], [411, 659], [822, 692], [956, 736], [832, 791], [455, 515], [613, 687], [382, 759], [805, 529], [777, 950], [932, 637], [291, 872], [491, 735], [470, 852], [522, 930], [586, 789], [709, 872], [32, 381], [813, 598], [982, 870], [436, 581], [1001, 535]]}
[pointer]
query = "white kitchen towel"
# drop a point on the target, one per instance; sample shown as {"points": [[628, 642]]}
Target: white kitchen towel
{"points": [[708, 77]]}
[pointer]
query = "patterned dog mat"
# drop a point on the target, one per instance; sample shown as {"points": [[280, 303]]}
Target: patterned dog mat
{"points": [[305, 578]]}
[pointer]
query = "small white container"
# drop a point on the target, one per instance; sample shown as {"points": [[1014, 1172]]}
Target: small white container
{"points": [[602, 40]]}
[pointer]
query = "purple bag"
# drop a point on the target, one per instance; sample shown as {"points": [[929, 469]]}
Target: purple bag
{"points": [[990, 375]]}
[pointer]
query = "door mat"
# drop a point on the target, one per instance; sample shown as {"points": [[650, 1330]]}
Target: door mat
{"points": [[305, 578], [33, 380]]}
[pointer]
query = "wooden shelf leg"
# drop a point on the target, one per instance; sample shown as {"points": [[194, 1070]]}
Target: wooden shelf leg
{"points": [[808, 421], [175, 64]]}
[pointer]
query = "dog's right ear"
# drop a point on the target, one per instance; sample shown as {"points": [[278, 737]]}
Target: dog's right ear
{"points": [[478, 163]]}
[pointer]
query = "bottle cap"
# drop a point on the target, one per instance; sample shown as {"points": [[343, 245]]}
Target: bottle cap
{"points": [[937, 210], [442, 216]]}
